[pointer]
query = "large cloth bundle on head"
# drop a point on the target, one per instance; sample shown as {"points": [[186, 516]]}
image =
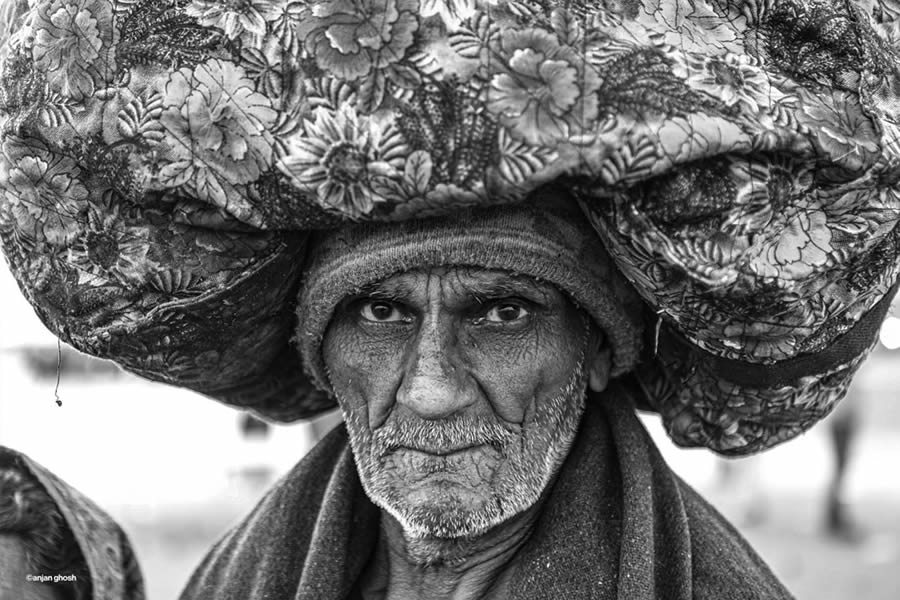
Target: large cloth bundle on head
{"points": [[163, 162]]}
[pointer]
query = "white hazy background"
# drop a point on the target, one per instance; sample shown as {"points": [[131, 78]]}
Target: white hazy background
{"points": [[172, 467]]}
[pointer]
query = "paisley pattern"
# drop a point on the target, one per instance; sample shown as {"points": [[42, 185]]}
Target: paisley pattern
{"points": [[163, 160]]}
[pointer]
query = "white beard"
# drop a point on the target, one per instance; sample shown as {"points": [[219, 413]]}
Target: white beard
{"points": [[527, 461]]}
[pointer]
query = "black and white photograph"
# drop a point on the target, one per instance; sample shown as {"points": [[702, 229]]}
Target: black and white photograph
{"points": [[449, 299]]}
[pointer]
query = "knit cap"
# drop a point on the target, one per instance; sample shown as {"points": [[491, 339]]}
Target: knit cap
{"points": [[552, 242]]}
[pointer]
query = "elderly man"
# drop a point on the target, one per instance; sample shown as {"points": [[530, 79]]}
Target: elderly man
{"points": [[492, 228], [471, 357]]}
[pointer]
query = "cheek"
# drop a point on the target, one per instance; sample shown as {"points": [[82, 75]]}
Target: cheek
{"points": [[364, 369], [518, 370]]}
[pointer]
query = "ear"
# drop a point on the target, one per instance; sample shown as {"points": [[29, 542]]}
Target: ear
{"points": [[598, 363]]}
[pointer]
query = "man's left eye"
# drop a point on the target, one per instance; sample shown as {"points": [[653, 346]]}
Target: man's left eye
{"points": [[506, 313], [380, 311]]}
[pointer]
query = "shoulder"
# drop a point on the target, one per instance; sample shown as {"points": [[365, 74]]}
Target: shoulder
{"points": [[261, 556], [724, 564]]}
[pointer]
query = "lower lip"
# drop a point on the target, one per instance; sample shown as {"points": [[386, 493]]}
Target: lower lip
{"points": [[457, 468], [449, 454]]}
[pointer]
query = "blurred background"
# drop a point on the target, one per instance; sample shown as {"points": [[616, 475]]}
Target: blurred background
{"points": [[177, 470]]}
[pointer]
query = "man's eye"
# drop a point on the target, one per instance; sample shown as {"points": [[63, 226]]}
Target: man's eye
{"points": [[505, 313], [380, 311]]}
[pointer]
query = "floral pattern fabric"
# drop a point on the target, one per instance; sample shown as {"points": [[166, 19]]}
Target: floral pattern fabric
{"points": [[162, 161]]}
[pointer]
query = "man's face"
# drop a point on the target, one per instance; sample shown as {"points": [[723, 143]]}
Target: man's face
{"points": [[462, 390]]}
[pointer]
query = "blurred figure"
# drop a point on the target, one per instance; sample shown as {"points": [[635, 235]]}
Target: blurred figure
{"points": [[46, 362], [52, 539], [739, 490], [253, 428], [253, 464], [843, 427]]}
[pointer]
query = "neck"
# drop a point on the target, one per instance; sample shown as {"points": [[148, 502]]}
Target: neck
{"points": [[447, 569]]}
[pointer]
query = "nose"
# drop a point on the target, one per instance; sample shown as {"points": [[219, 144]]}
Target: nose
{"points": [[435, 384]]}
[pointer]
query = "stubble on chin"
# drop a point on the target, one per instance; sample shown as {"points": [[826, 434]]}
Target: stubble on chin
{"points": [[507, 478]]}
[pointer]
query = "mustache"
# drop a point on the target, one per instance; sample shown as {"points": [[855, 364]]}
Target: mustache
{"points": [[440, 436]]}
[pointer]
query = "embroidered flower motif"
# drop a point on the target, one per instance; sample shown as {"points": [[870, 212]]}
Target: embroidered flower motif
{"points": [[38, 187], [46, 194], [236, 18], [647, 271], [734, 79], [842, 129], [291, 15], [216, 128], [806, 238], [799, 246], [264, 66], [452, 12], [71, 42], [764, 189], [110, 250], [542, 91], [352, 38], [701, 29], [340, 156]]}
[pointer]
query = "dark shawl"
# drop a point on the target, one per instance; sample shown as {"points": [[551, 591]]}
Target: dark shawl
{"points": [[618, 523]]}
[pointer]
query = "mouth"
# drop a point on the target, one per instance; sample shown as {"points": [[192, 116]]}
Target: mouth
{"points": [[467, 466], [441, 452]]}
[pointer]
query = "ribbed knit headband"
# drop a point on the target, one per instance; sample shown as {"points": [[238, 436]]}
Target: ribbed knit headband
{"points": [[552, 242]]}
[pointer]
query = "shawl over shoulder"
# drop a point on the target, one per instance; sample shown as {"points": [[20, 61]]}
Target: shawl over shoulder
{"points": [[618, 524], [111, 562]]}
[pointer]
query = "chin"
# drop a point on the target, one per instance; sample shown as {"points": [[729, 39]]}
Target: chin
{"points": [[445, 511], [450, 499], [452, 505], [446, 521]]}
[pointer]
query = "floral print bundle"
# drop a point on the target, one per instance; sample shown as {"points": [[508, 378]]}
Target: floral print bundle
{"points": [[163, 161]]}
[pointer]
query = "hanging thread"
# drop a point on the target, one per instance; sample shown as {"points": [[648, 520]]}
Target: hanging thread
{"points": [[58, 371]]}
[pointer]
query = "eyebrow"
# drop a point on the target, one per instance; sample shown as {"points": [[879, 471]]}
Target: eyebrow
{"points": [[385, 290], [477, 291], [511, 286]]}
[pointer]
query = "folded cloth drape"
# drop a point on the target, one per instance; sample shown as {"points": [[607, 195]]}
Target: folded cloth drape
{"points": [[617, 524], [163, 162], [113, 566]]}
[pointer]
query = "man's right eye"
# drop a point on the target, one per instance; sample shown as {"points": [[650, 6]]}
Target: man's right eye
{"points": [[381, 311]]}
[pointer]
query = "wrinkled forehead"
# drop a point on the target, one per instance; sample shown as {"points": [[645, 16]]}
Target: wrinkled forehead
{"points": [[461, 282]]}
